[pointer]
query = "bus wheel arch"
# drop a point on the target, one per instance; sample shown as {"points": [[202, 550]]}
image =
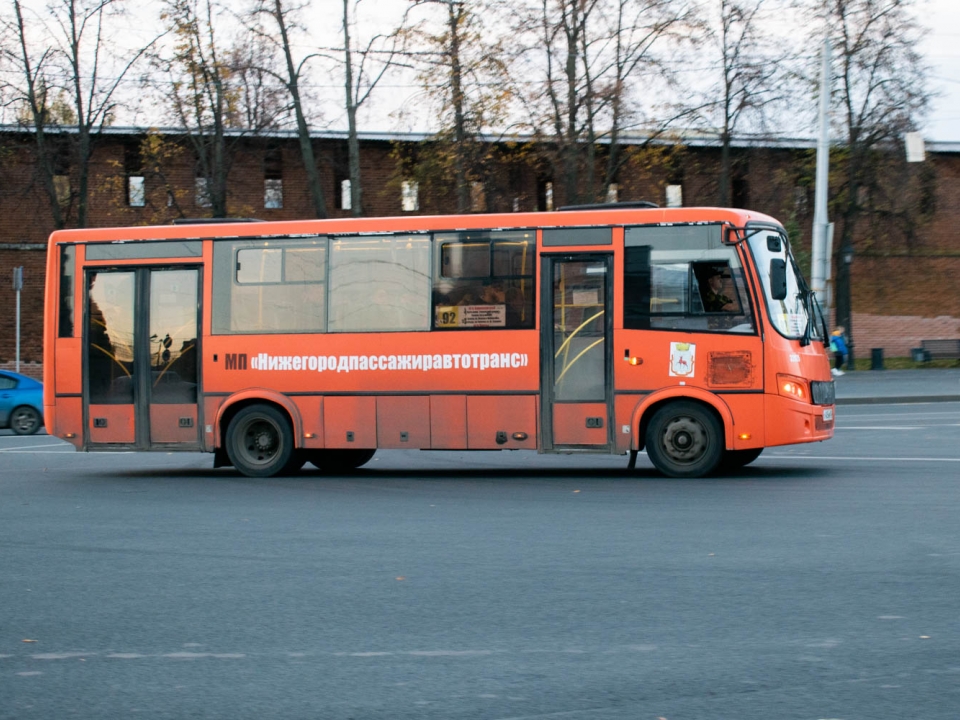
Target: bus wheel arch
{"points": [[238, 401], [684, 436], [259, 437]]}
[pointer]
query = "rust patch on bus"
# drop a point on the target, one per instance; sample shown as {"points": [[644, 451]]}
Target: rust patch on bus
{"points": [[730, 369]]}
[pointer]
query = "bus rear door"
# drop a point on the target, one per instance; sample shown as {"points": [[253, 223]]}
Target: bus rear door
{"points": [[141, 357]]}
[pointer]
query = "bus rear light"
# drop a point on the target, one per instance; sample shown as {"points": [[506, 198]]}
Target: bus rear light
{"points": [[793, 387]]}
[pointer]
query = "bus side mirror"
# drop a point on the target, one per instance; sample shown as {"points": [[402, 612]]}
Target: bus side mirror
{"points": [[778, 279]]}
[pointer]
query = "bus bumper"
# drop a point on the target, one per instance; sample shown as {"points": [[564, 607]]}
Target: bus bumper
{"points": [[793, 421]]}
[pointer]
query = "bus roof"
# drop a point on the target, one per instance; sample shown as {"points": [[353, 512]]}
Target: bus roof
{"points": [[415, 224]]}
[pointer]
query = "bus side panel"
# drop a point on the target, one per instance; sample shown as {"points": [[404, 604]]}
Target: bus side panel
{"points": [[211, 408], [173, 424], [68, 420], [350, 422], [570, 424], [69, 380], [448, 422], [625, 406], [311, 414], [403, 422], [749, 419], [116, 424], [493, 417]]}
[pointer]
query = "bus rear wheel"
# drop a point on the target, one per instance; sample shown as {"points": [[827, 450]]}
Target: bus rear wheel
{"points": [[684, 439], [334, 461], [260, 442]]}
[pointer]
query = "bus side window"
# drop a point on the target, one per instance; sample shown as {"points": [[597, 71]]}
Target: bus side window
{"points": [[668, 271], [269, 286], [380, 283], [484, 280]]}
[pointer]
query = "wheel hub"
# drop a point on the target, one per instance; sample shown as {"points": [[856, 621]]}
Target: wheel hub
{"points": [[684, 439], [263, 441]]}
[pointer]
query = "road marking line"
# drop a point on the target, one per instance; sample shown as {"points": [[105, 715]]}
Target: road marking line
{"points": [[883, 427], [858, 459], [28, 447]]}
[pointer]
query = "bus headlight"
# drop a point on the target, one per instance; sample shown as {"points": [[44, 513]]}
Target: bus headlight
{"points": [[793, 387]]}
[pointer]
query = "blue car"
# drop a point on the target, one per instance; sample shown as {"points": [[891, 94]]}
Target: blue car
{"points": [[21, 403]]}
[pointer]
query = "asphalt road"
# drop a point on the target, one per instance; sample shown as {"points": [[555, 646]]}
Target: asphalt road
{"points": [[820, 582]]}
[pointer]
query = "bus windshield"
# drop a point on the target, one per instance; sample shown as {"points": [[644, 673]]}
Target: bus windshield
{"points": [[792, 314]]}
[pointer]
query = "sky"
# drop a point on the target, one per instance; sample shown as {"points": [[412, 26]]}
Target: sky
{"points": [[942, 50]]}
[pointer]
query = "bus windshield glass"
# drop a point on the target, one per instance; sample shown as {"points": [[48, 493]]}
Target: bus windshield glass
{"points": [[790, 312]]}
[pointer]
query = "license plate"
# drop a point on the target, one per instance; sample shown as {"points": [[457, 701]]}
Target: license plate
{"points": [[828, 414]]}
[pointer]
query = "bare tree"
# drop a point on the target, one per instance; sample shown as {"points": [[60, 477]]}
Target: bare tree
{"points": [[753, 68], [596, 58], [646, 37], [78, 72], [34, 92], [282, 18], [879, 94], [460, 65], [363, 68], [218, 92]]}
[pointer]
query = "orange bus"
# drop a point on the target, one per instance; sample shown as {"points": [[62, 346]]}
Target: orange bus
{"points": [[687, 332]]}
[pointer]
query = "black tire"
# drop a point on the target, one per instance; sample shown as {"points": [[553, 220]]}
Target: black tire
{"points": [[684, 439], [736, 459], [336, 461], [260, 441], [24, 420]]}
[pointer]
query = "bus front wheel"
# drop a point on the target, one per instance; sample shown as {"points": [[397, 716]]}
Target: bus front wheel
{"points": [[684, 439], [260, 442], [334, 461]]}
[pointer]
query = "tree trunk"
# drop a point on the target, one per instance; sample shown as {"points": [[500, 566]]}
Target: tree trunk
{"points": [[723, 195], [459, 121], [303, 130]]}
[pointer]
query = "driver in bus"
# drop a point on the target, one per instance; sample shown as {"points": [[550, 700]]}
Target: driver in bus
{"points": [[713, 299]]}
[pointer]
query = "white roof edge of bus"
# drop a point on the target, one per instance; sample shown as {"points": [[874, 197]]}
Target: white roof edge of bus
{"points": [[408, 223]]}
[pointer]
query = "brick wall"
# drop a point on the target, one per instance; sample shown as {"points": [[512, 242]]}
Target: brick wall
{"points": [[902, 291], [34, 370], [31, 305], [898, 334]]}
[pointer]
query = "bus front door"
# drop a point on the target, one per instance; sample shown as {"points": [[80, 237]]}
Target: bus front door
{"points": [[141, 372], [577, 380]]}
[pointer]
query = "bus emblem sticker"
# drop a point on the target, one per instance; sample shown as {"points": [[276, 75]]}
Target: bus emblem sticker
{"points": [[682, 359]]}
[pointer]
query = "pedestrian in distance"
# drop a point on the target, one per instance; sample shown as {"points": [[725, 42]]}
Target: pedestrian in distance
{"points": [[838, 346]]}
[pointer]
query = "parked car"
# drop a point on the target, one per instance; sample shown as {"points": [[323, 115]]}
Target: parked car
{"points": [[21, 403]]}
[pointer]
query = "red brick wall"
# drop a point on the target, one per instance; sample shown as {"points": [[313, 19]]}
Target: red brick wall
{"points": [[898, 334], [901, 293]]}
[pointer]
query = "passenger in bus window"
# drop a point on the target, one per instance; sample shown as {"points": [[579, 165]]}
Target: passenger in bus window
{"points": [[493, 295], [714, 299], [516, 308]]}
